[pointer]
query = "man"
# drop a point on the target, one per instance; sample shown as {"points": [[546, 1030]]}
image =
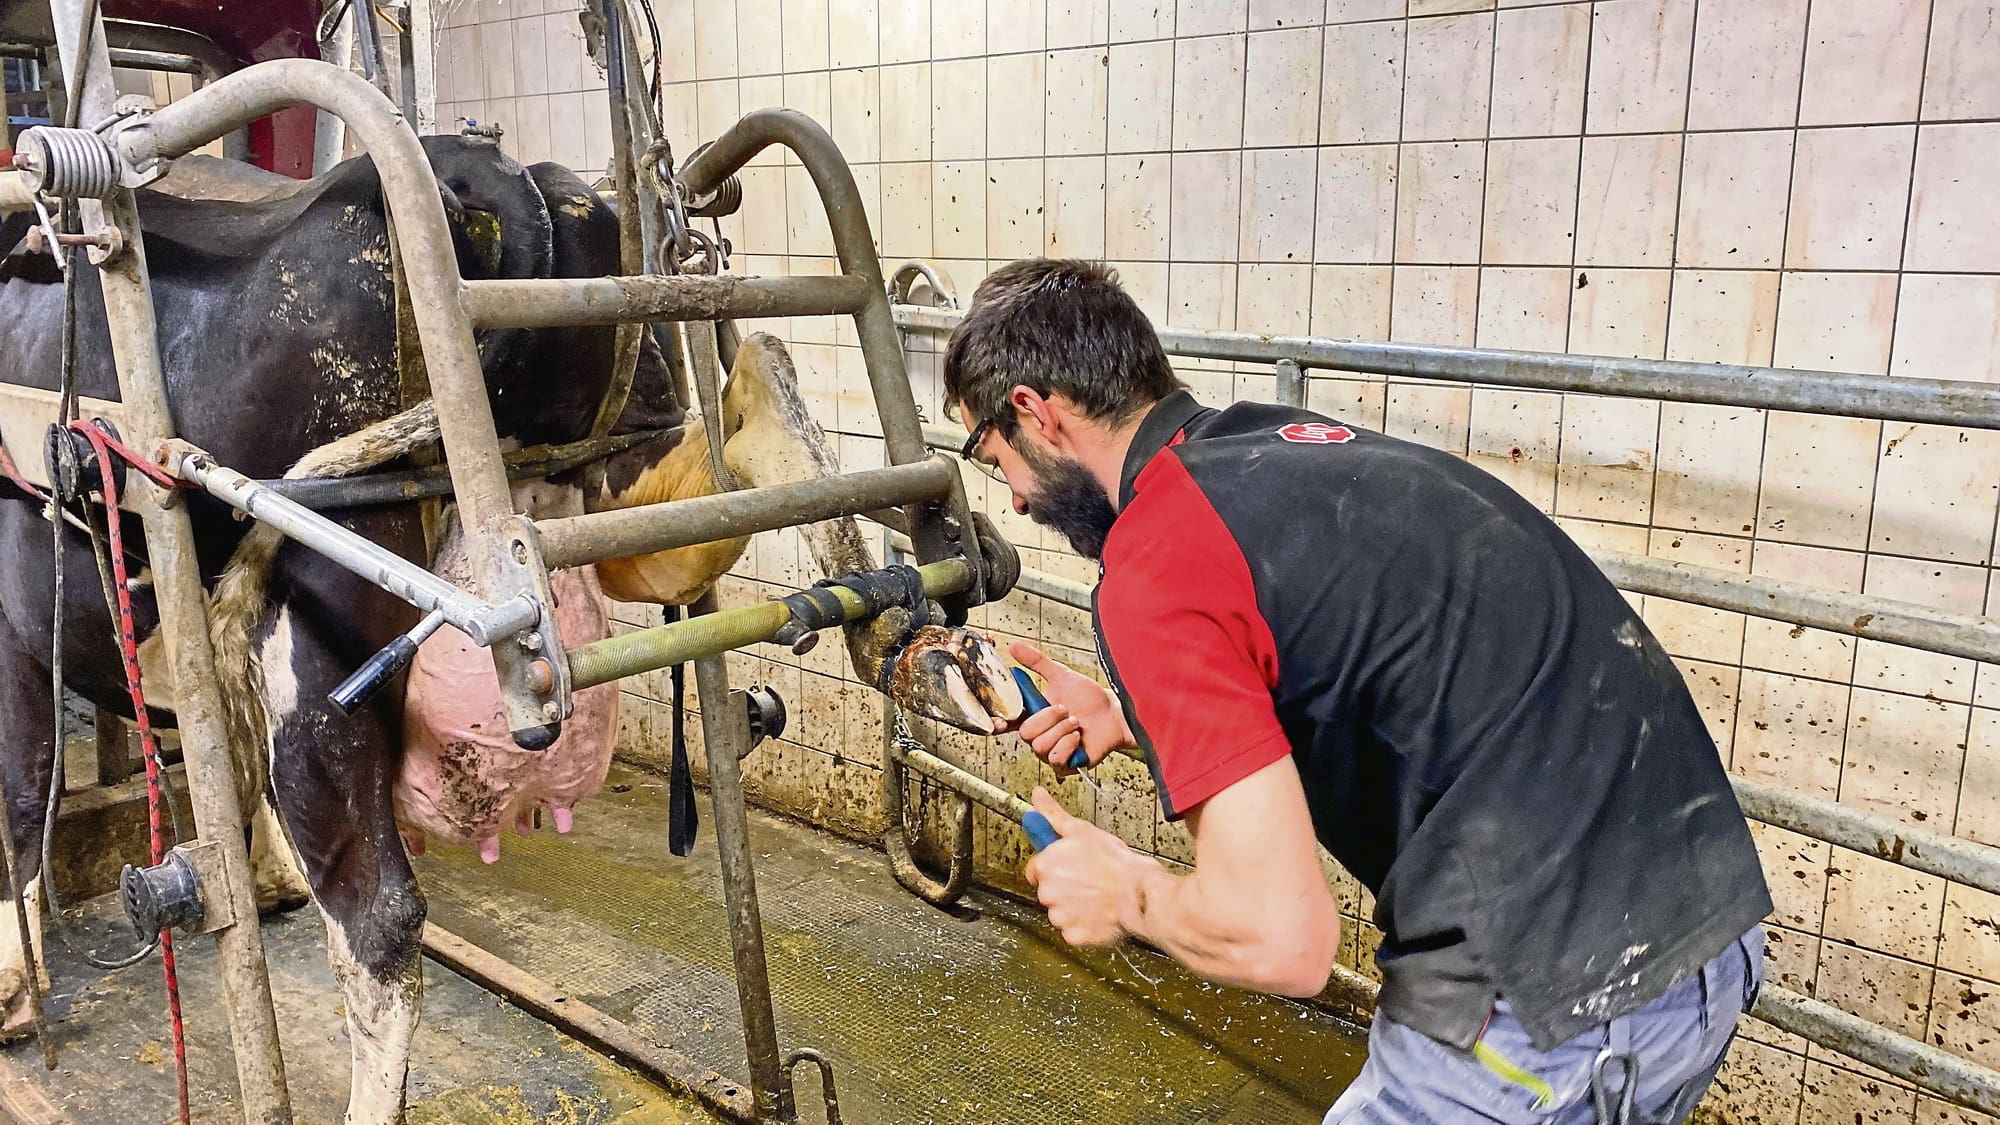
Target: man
{"points": [[1320, 634]]}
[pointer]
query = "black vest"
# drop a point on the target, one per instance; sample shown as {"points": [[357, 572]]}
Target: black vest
{"points": [[1489, 737]]}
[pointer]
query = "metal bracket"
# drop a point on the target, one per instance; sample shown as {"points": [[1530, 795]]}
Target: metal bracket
{"points": [[179, 892]]}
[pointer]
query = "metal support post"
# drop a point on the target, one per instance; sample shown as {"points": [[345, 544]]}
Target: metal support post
{"points": [[142, 385], [501, 543], [725, 731], [1291, 383]]}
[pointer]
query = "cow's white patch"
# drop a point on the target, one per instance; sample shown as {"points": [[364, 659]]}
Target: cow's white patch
{"points": [[280, 686], [381, 1021]]}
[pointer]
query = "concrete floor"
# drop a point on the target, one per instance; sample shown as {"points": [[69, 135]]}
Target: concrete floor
{"points": [[976, 1016]]}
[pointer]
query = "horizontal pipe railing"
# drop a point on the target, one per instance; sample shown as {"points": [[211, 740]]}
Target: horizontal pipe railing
{"points": [[1934, 853], [1799, 603], [548, 302], [1796, 603], [642, 530], [712, 634], [1942, 402], [1936, 1071]]}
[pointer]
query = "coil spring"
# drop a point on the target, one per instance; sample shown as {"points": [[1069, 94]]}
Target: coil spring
{"points": [[71, 163], [723, 201]]}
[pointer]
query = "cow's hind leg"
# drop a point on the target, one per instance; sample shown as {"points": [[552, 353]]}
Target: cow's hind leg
{"points": [[332, 776], [25, 759]]}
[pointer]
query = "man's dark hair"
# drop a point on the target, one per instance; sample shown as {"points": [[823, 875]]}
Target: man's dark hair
{"points": [[1061, 326]]}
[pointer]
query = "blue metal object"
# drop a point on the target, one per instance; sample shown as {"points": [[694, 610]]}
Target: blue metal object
{"points": [[1036, 701]]}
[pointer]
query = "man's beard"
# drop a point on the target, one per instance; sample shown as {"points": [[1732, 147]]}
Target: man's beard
{"points": [[1068, 499]]}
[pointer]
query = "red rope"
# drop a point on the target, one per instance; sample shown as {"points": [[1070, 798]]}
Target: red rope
{"points": [[13, 473], [128, 644]]}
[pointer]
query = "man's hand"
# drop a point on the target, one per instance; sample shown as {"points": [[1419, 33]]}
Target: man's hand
{"points": [[1081, 712], [1089, 880]]}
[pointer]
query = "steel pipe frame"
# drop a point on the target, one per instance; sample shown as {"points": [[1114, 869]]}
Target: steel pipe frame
{"points": [[547, 302], [647, 650], [1943, 402], [165, 61], [874, 322], [22, 23], [500, 543], [642, 530], [170, 546]]}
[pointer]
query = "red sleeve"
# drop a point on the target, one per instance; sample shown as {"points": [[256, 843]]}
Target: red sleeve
{"points": [[1190, 649]]}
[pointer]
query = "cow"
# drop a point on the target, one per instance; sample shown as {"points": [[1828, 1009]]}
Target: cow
{"points": [[275, 302]]}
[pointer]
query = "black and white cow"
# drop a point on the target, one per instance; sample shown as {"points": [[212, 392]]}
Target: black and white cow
{"points": [[276, 330]]}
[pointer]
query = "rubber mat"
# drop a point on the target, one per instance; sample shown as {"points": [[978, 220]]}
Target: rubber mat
{"points": [[927, 1016]]}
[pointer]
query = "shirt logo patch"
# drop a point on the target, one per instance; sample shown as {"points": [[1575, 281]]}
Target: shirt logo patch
{"points": [[1316, 433]]}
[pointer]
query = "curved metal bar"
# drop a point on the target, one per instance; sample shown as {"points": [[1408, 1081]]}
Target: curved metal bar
{"points": [[503, 565], [906, 275], [827, 1094], [896, 835], [875, 323]]}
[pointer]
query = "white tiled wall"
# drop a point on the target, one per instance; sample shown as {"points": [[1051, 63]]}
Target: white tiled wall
{"points": [[1806, 183]]}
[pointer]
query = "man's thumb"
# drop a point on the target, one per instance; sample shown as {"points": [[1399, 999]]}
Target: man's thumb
{"points": [[1048, 806], [1031, 658]]}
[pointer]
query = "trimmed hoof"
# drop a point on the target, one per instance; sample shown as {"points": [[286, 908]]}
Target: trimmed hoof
{"points": [[957, 677]]}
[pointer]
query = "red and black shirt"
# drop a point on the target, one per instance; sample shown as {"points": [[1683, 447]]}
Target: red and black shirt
{"points": [[1489, 737]]}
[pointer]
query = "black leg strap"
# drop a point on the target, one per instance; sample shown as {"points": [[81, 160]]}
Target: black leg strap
{"points": [[891, 586]]}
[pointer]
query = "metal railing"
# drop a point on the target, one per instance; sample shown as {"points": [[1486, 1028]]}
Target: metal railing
{"points": [[1930, 401]]}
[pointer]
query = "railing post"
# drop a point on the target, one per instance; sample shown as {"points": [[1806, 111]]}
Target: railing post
{"points": [[128, 309]]}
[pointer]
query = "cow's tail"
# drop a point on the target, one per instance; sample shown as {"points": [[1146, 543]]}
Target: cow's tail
{"points": [[239, 603]]}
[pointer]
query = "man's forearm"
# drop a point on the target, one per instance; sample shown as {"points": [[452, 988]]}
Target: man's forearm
{"points": [[1220, 939]]}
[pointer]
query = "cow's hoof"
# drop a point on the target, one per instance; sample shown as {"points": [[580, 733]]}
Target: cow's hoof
{"points": [[17, 1015], [281, 892], [955, 676]]}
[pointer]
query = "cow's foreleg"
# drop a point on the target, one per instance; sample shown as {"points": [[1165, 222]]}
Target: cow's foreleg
{"points": [[28, 719], [332, 776], [954, 675]]}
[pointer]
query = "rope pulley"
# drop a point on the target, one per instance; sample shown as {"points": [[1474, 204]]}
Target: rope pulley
{"points": [[162, 897]]}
